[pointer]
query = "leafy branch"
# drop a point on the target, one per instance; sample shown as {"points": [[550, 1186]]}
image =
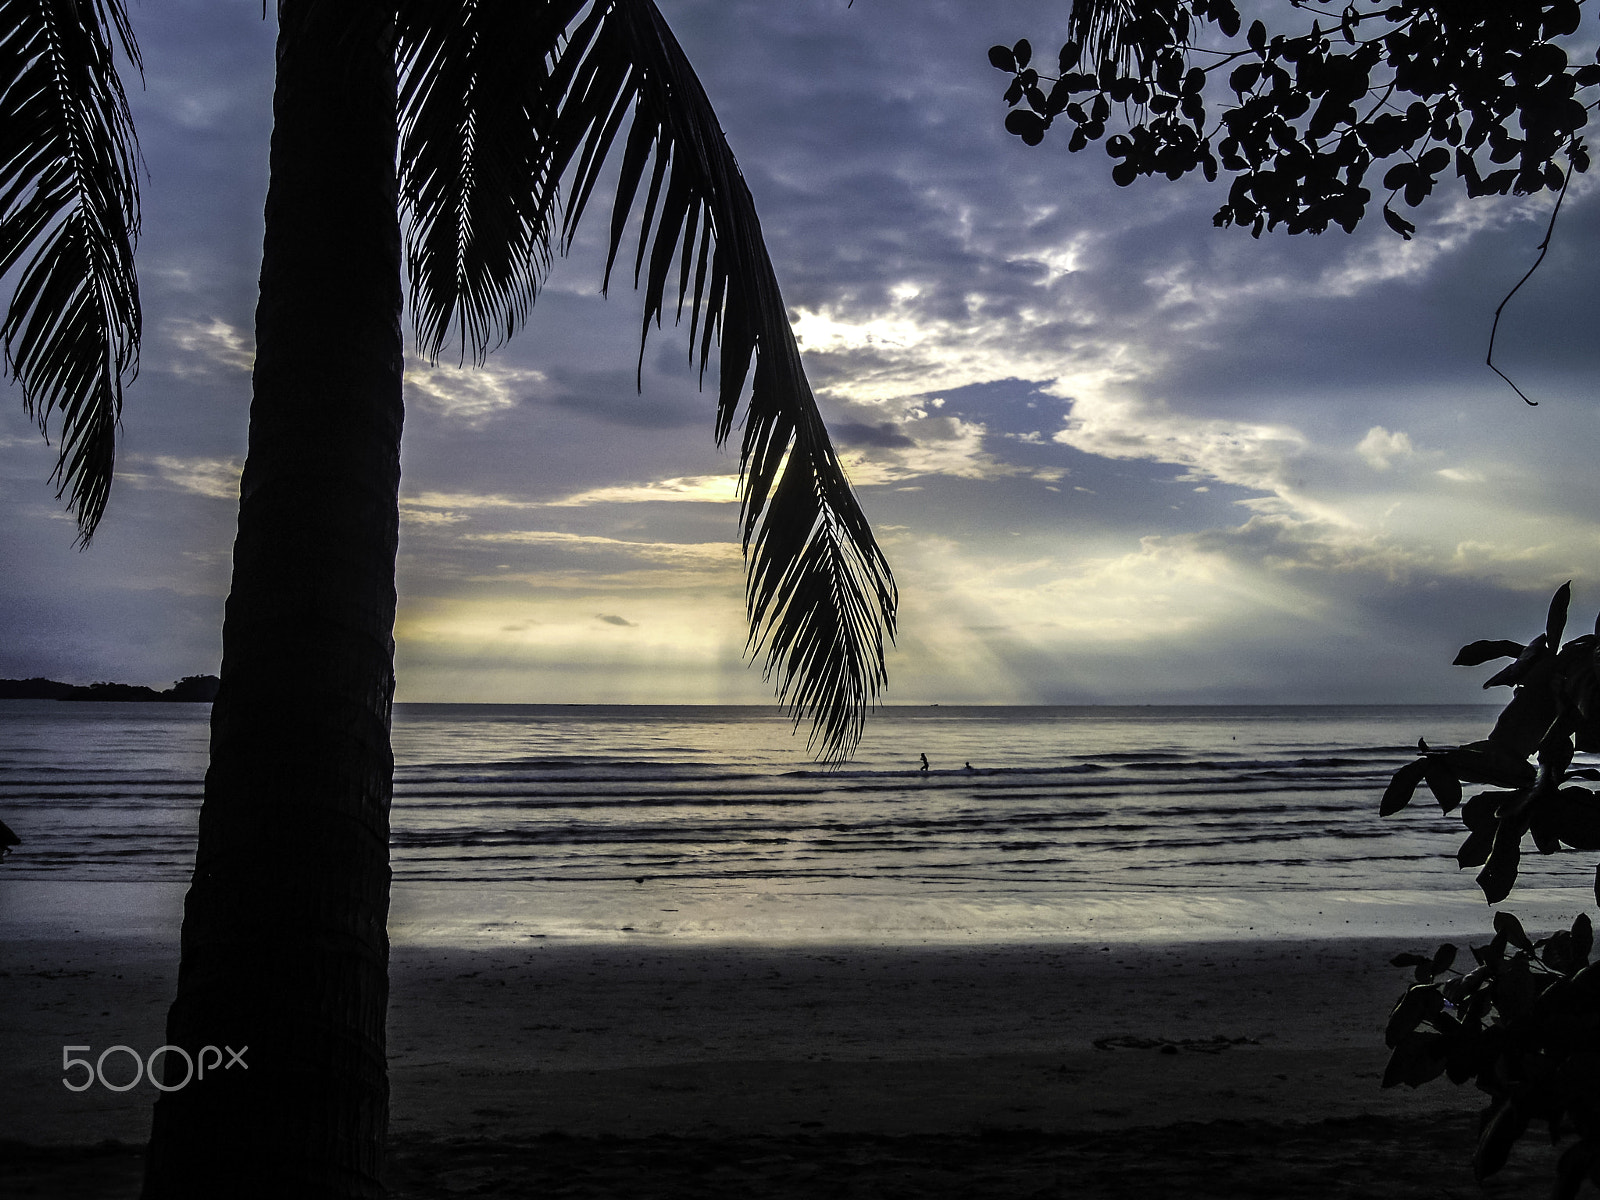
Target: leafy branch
{"points": [[1554, 709], [1524, 1026], [1524, 1023], [1493, 93]]}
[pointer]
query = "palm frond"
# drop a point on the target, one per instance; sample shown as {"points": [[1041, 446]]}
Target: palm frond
{"points": [[69, 216], [1097, 26], [499, 101], [1123, 32], [820, 594], [476, 114]]}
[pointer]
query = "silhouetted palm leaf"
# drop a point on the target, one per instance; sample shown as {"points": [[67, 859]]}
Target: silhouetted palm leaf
{"points": [[1128, 32], [69, 215], [477, 109], [820, 594], [1099, 27]]}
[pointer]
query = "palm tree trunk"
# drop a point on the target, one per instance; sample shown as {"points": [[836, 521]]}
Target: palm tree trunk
{"points": [[285, 948]]}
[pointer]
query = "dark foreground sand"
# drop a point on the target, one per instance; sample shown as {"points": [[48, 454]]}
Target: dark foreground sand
{"points": [[1197, 1069]]}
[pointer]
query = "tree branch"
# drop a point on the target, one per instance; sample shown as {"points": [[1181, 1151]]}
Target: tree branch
{"points": [[1544, 248]]}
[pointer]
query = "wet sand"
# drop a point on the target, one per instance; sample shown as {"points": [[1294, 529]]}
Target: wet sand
{"points": [[643, 1069]]}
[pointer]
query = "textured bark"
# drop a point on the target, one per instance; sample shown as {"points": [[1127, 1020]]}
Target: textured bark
{"points": [[284, 943]]}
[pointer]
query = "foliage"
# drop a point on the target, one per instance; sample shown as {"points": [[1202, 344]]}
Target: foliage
{"points": [[69, 216], [1524, 1026], [1554, 709], [1301, 120]]}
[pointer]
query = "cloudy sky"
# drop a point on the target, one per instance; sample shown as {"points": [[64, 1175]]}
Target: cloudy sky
{"points": [[1113, 453]]}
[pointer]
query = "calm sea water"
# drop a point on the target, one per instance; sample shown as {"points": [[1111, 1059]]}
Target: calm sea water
{"points": [[714, 819]]}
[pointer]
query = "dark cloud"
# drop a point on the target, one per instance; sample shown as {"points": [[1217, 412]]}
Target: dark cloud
{"points": [[855, 433], [616, 398]]}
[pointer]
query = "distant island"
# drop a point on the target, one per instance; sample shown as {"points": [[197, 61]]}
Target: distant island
{"points": [[192, 688]]}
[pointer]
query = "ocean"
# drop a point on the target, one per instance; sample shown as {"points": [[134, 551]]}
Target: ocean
{"points": [[690, 822]]}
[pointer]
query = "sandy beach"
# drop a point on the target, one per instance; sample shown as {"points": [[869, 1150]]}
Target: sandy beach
{"points": [[642, 1069]]}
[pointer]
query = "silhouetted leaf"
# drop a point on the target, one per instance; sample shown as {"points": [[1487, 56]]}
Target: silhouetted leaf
{"points": [[1541, 825], [1556, 953], [1556, 619], [69, 218], [1401, 788], [1499, 872], [1582, 937], [1443, 958], [1524, 722], [1419, 1003], [1026, 125], [477, 109], [1506, 1123], [1579, 648], [1507, 925], [1480, 812], [819, 593], [1515, 989], [1244, 78], [1555, 748], [1002, 59], [1398, 223], [1477, 653], [1446, 788], [1474, 852], [1574, 816], [1419, 1058], [1490, 762], [1458, 989], [1517, 672], [1464, 1058]]}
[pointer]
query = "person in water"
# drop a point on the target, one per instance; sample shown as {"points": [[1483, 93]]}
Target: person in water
{"points": [[924, 758]]}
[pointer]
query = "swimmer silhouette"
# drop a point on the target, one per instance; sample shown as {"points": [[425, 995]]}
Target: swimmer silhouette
{"points": [[924, 758]]}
